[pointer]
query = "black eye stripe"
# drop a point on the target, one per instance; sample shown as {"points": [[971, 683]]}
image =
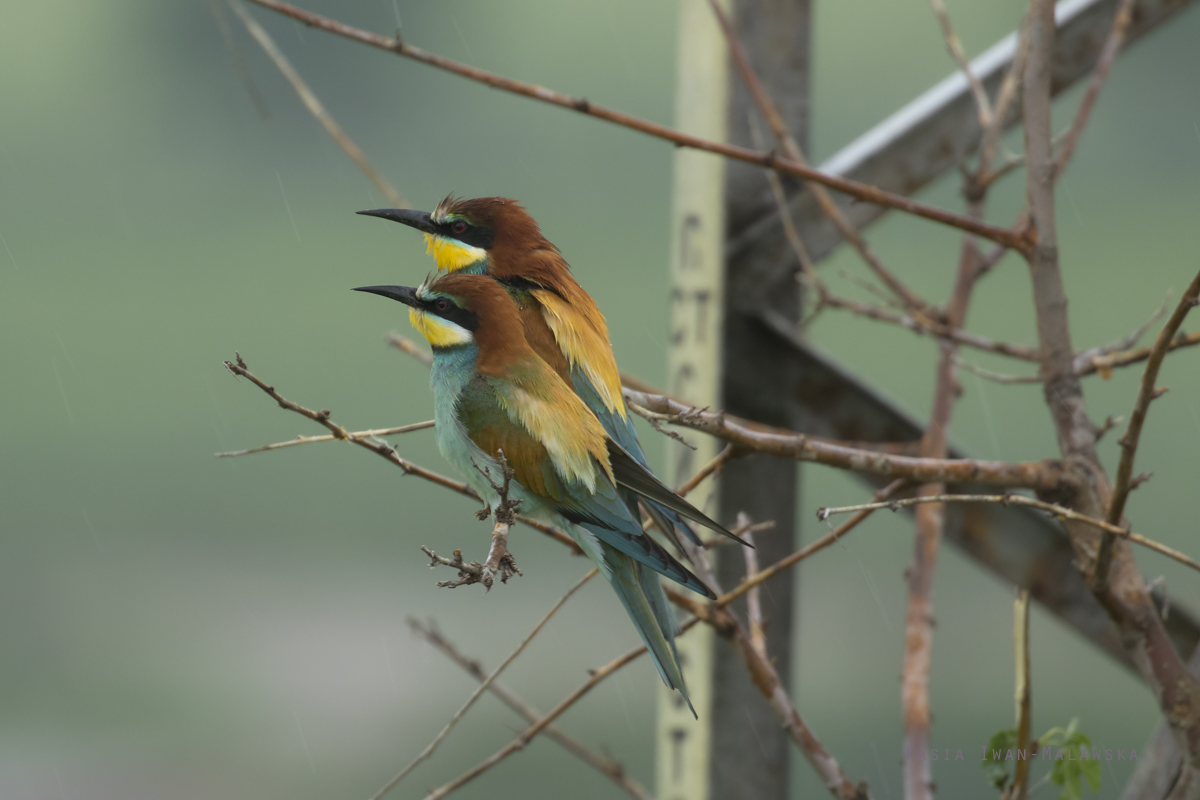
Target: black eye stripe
{"points": [[473, 235], [459, 316]]}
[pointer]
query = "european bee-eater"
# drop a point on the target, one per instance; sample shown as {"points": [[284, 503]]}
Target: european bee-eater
{"points": [[493, 392], [496, 236]]}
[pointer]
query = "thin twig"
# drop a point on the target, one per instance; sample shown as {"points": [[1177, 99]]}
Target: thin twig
{"points": [[1020, 785], [787, 562], [871, 288], [1108, 54], [930, 523], [374, 432], [929, 327], [1061, 512], [754, 599], [766, 679], [1105, 364], [533, 730], [986, 179], [1129, 442], [954, 45], [725, 541], [995, 377], [792, 149], [239, 368], [1009, 89], [1161, 548], [406, 345], [727, 454], [808, 275], [861, 191], [638, 385], [989, 261], [239, 64], [315, 107], [803, 259], [754, 613], [1095, 364], [608, 767], [483, 687], [656, 423], [1125, 342]]}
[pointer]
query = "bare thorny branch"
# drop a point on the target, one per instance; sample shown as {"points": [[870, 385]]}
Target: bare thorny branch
{"points": [[1129, 442]]}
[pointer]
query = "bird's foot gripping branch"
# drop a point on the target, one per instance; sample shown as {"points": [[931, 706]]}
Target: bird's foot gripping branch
{"points": [[500, 563]]}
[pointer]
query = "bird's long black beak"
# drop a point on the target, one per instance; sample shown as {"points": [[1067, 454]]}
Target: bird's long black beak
{"points": [[405, 294], [421, 220]]}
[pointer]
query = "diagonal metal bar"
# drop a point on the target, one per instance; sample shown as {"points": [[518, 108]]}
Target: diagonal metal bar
{"points": [[1017, 544], [936, 131]]}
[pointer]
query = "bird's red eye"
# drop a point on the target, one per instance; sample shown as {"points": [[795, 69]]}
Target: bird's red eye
{"points": [[459, 227], [442, 304]]}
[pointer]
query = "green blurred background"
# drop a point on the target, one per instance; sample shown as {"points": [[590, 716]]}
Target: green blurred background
{"points": [[177, 626]]}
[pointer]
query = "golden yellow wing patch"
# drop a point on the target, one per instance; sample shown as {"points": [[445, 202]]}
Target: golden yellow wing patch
{"points": [[585, 347], [556, 417]]}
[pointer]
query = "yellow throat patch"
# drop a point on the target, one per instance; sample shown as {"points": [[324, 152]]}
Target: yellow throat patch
{"points": [[437, 331], [452, 254]]}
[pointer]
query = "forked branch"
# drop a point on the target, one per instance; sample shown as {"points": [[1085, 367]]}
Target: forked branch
{"points": [[1129, 442]]}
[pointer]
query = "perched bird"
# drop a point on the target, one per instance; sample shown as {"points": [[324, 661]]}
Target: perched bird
{"points": [[492, 393], [496, 236]]}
